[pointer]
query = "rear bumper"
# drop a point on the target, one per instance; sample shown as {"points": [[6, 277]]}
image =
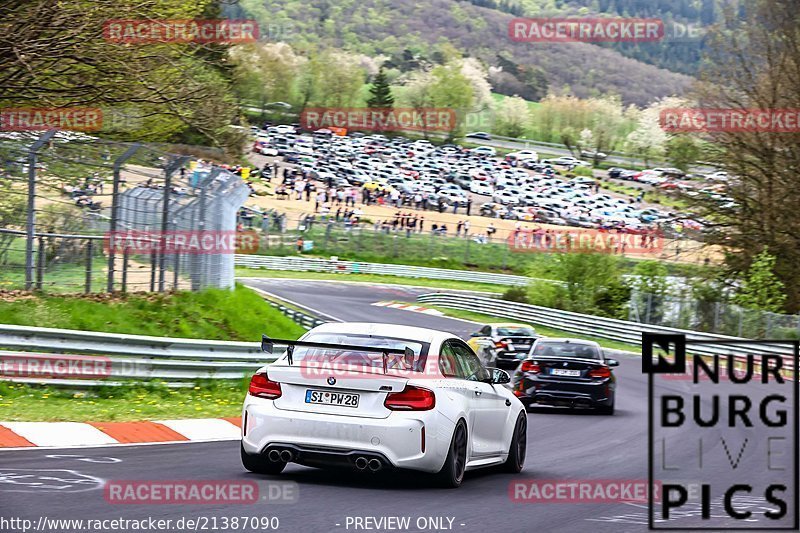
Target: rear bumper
{"points": [[335, 440], [565, 393]]}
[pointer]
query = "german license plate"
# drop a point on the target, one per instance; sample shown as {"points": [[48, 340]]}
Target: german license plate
{"points": [[342, 399], [564, 372]]}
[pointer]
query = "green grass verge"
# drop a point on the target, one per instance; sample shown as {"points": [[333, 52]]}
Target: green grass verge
{"points": [[540, 329], [237, 315], [371, 278], [145, 401]]}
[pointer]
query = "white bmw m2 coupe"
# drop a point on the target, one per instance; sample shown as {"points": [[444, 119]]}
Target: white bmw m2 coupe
{"points": [[381, 396]]}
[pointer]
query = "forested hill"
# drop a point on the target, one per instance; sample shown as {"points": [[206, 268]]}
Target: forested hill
{"points": [[403, 29]]}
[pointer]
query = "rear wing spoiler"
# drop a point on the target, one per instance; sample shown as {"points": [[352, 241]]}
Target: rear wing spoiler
{"points": [[267, 345]]}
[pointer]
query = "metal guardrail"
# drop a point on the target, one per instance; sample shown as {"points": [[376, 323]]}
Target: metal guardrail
{"points": [[595, 326], [122, 357], [303, 264], [304, 319]]}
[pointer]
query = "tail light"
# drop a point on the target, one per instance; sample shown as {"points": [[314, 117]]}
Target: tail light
{"points": [[262, 387], [601, 372], [530, 366], [410, 399], [501, 344]]}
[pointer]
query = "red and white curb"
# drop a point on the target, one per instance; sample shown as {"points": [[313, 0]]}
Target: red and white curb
{"points": [[409, 307], [68, 434]]}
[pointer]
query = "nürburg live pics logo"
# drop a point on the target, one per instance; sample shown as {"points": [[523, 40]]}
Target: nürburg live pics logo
{"points": [[722, 433]]}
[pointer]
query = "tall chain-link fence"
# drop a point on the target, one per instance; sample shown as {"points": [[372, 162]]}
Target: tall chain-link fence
{"points": [[79, 214]]}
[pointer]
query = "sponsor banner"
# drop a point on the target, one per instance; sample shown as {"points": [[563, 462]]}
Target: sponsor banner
{"points": [[201, 31], [53, 366], [195, 242], [586, 240], [716, 120], [378, 119], [199, 492], [585, 30], [580, 490], [49, 118]]}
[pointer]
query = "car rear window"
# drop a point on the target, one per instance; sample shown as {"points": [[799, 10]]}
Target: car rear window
{"points": [[567, 349], [514, 331], [356, 358]]}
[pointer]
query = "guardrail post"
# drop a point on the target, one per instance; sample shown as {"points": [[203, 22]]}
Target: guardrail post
{"points": [[89, 254], [40, 257]]}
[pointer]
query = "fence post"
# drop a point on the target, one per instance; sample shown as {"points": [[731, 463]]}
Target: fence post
{"points": [[169, 170], [153, 264], [115, 213], [716, 317], [125, 255], [466, 249], [30, 222], [177, 266], [649, 308], [741, 322], [40, 265], [89, 253]]}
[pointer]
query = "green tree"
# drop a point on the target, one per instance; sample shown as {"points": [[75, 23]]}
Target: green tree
{"points": [[591, 283], [682, 151], [381, 92], [761, 289], [652, 288]]}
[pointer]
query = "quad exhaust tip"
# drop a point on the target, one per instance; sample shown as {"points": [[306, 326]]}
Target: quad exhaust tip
{"points": [[274, 456], [361, 463], [286, 456]]}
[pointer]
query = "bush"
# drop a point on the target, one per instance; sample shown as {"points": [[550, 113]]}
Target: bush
{"points": [[583, 171], [516, 294]]}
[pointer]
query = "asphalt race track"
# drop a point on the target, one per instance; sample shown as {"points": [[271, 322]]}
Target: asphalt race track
{"points": [[562, 445]]}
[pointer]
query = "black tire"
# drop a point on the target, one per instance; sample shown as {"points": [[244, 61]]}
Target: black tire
{"points": [[261, 465], [607, 410], [452, 473], [518, 447]]}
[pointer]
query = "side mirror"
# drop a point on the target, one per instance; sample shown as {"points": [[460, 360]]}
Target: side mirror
{"points": [[499, 377], [477, 334], [612, 362]]}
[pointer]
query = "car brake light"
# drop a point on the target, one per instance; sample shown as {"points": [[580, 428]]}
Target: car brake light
{"points": [[601, 372], [501, 344], [262, 387], [410, 399], [530, 366]]}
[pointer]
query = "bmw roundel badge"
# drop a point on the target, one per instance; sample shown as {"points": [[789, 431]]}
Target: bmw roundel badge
{"points": [[331, 380]]}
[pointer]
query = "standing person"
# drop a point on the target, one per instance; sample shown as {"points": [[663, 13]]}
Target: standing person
{"points": [[469, 205], [418, 200], [421, 223], [455, 207], [466, 228], [309, 189], [275, 168], [490, 231], [320, 199], [459, 227]]}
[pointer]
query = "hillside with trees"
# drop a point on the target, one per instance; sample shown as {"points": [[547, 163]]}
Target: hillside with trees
{"points": [[409, 34]]}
